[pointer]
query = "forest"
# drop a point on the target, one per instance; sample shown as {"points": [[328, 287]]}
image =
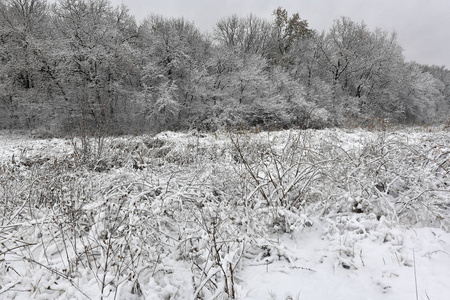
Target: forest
{"points": [[87, 67]]}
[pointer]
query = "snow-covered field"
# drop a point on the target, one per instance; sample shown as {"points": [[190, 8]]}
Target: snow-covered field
{"points": [[329, 214]]}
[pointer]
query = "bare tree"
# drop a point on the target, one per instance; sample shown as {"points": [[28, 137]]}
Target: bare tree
{"points": [[95, 60], [249, 34], [23, 47]]}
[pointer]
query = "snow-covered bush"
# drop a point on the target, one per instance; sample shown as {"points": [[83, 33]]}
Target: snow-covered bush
{"points": [[182, 215]]}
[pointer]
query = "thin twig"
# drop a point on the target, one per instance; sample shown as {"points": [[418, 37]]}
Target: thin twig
{"points": [[415, 274]]}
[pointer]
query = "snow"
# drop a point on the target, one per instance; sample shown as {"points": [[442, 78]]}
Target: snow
{"points": [[327, 214], [21, 146], [377, 271]]}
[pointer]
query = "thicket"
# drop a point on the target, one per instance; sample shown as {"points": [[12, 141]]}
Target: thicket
{"points": [[180, 215], [86, 67]]}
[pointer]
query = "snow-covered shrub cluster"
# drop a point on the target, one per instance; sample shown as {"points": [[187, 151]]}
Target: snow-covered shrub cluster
{"points": [[183, 215], [391, 175]]}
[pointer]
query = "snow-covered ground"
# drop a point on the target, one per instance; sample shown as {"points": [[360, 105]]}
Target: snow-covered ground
{"points": [[377, 269], [330, 214]]}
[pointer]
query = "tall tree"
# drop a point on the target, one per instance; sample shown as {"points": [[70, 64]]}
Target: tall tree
{"points": [[94, 61], [362, 66], [173, 55], [23, 47], [286, 31], [250, 35], [419, 94], [441, 74]]}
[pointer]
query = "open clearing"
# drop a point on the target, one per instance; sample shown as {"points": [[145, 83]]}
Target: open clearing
{"points": [[311, 214]]}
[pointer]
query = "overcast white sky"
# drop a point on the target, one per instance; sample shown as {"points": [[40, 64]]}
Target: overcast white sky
{"points": [[423, 26]]}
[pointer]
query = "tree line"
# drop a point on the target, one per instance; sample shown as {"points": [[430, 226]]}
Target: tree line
{"points": [[85, 66]]}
